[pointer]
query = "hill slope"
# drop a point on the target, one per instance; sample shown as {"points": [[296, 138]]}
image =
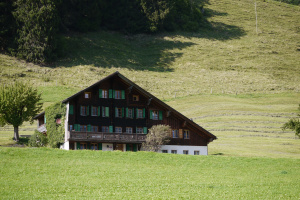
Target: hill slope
{"points": [[228, 59]]}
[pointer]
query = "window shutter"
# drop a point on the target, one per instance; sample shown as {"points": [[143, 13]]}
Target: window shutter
{"points": [[136, 129], [116, 112], [113, 94], [107, 111], [151, 115], [144, 113], [123, 94], [123, 112], [135, 147], [160, 115], [99, 146], [99, 111], [110, 93], [180, 133], [78, 145], [145, 130], [71, 110], [88, 146], [128, 147], [111, 129], [88, 111], [137, 112], [126, 112], [100, 93], [44, 119], [89, 128]]}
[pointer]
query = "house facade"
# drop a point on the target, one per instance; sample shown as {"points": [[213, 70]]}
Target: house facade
{"points": [[115, 114]]}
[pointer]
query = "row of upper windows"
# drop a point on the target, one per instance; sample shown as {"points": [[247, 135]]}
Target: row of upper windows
{"points": [[120, 112], [106, 129], [186, 152], [112, 94]]}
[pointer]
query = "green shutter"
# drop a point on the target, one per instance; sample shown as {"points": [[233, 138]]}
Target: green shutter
{"points": [[111, 129], [71, 110], [99, 111], [128, 148], [76, 127], [88, 145], [137, 112], [99, 146], [144, 113], [89, 128], [136, 129], [113, 94], [135, 147], [126, 112], [151, 115], [110, 93], [100, 93], [123, 94], [78, 145], [123, 112], [145, 130], [160, 115], [106, 111]]}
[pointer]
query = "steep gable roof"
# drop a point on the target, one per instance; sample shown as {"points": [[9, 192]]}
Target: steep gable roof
{"points": [[148, 95]]}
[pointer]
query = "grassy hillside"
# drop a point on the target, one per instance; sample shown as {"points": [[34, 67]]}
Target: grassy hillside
{"points": [[58, 174], [240, 84]]}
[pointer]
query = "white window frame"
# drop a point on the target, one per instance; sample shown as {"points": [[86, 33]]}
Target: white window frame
{"points": [[140, 113], [118, 94], [196, 152], [87, 95], [174, 151], [155, 114], [186, 134], [175, 133], [118, 129], [129, 130], [186, 152], [105, 129], [105, 94], [139, 130], [130, 112], [94, 114]]}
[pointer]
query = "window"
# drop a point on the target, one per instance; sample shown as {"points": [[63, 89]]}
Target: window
{"points": [[129, 130], [105, 94], [94, 128], [186, 152], [136, 97], [105, 129], [130, 113], [70, 127], [87, 95], [174, 151], [186, 134], [94, 111], [119, 112], [118, 129], [94, 146], [155, 115], [84, 110], [164, 151], [140, 113], [83, 128], [196, 152], [105, 111], [118, 94], [83, 146], [175, 133], [139, 130]]}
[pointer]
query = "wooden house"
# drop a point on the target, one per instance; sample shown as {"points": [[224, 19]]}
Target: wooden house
{"points": [[115, 114]]}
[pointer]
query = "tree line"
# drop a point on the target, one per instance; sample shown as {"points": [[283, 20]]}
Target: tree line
{"points": [[31, 29]]}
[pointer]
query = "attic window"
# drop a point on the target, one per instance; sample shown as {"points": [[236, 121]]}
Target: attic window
{"points": [[136, 97], [87, 95]]}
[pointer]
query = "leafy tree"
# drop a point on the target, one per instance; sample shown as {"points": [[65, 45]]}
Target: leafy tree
{"points": [[19, 102], [37, 22], [158, 135], [293, 124]]}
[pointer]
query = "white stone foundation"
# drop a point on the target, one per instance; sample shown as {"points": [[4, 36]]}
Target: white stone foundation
{"points": [[191, 149]]}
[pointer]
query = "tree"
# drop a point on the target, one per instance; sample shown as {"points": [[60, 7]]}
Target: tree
{"points": [[19, 102], [293, 124], [158, 135]]}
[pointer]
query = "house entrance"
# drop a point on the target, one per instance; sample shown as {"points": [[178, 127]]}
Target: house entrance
{"points": [[119, 147]]}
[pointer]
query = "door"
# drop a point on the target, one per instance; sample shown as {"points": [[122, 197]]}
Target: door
{"points": [[119, 147]]}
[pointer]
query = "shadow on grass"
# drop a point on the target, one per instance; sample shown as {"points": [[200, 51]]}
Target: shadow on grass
{"points": [[218, 154], [139, 52]]}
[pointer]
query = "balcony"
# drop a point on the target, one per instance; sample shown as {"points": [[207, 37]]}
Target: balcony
{"points": [[76, 136]]}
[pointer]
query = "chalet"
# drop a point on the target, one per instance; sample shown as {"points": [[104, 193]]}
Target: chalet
{"points": [[115, 114]]}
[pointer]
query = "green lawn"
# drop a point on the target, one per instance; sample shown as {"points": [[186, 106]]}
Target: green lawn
{"points": [[58, 174]]}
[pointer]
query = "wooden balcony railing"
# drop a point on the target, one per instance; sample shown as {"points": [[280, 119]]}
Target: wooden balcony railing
{"points": [[106, 137]]}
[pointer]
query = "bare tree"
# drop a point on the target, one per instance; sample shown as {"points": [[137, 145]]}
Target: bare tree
{"points": [[158, 135]]}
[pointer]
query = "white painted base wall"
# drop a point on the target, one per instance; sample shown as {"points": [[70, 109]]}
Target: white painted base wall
{"points": [[107, 147], [191, 149], [65, 146]]}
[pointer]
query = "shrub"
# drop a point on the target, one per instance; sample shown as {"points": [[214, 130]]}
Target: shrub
{"points": [[38, 140]]}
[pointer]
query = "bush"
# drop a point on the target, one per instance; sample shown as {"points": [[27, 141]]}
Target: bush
{"points": [[38, 140]]}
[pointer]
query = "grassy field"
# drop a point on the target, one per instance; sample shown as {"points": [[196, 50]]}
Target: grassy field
{"points": [[57, 174]]}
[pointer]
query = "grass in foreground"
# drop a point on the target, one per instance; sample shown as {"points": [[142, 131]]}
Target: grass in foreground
{"points": [[58, 174]]}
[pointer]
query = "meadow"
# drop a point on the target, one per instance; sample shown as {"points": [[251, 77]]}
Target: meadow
{"points": [[240, 84], [55, 174]]}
